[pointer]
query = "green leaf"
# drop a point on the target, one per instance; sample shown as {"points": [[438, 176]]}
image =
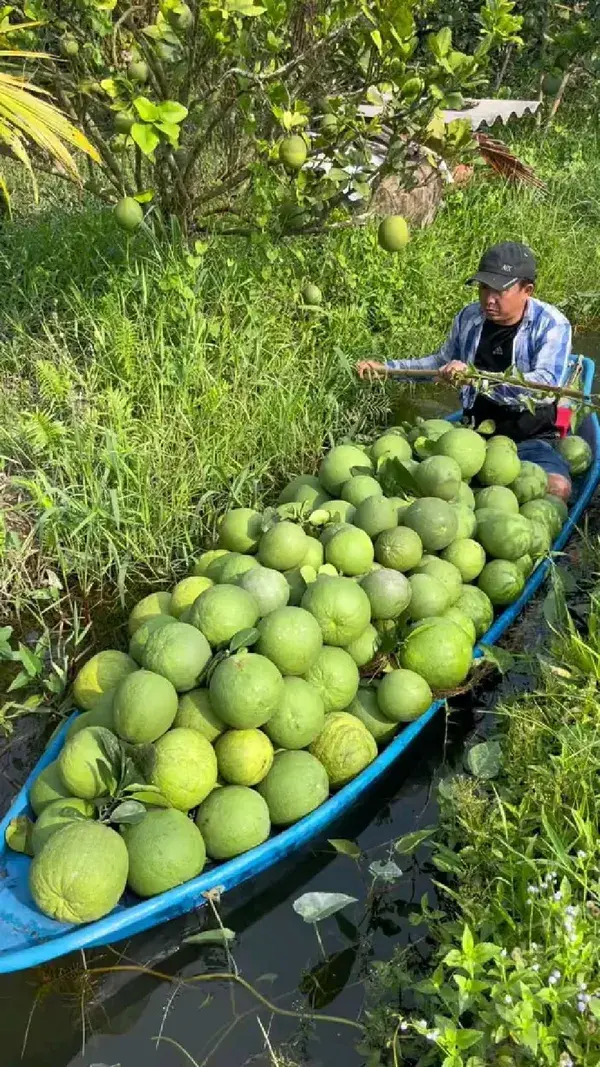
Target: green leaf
{"points": [[146, 109], [246, 8], [501, 659], [145, 138], [313, 907], [244, 638], [440, 43], [377, 41], [18, 835], [345, 847], [409, 843], [145, 796], [484, 760], [110, 87], [171, 111], [211, 937], [145, 197], [385, 870], [19, 682], [170, 130], [129, 812]]}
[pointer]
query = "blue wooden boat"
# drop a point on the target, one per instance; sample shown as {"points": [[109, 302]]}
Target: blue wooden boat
{"points": [[29, 938]]}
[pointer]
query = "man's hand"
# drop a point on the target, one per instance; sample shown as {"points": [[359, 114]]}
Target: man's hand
{"points": [[370, 369], [450, 370]]}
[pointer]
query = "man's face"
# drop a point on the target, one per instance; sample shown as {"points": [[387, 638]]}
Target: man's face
{"points": [[507, 306]]}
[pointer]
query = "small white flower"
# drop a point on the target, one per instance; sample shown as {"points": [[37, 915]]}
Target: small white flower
{"points": [[581, 854], [571, 909], [556, 972], [404, 1025], [422, 1023], [532, 890], [552, 980], [508, 999], [558, 895], [583, 986], [504, 953], [433, 1035], [552, 876], [535, 967]]}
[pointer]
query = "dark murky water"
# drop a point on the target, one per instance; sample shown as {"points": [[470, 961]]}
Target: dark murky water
{"points": [[114, 1020]]}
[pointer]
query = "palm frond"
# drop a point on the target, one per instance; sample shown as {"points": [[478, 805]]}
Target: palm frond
{"points": [[498, 156]]}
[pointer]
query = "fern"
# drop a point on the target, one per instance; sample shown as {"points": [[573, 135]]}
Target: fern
{"points": [[54, 383], [40, 431]]}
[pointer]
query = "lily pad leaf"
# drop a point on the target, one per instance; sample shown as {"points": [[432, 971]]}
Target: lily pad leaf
{"points": [[385, 870], [485, 760], [314, 907]]}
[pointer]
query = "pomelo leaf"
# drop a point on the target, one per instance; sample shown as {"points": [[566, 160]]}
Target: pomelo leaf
{"points": [[244, 638], [485, 760], [145, 137], [18, 835], [314, 907], [503, 660], [385, 870], [210, 937], [148, 796], [409, 843], [319, 517], [129, 812], [345, 847], [147, 110]]}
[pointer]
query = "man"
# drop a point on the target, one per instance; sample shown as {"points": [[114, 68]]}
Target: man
{"points": [[507, 328]]}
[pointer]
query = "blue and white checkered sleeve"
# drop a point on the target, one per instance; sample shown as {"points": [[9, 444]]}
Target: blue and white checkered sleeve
{"points": [[551, 360], [451, 349]]}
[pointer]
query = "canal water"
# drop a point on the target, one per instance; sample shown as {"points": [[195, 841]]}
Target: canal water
{"points": [[63, 1016]]}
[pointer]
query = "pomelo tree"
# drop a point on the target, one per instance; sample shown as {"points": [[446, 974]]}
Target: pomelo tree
{"points": [[238, 116]]}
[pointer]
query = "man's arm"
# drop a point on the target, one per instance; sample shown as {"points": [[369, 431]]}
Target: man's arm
{"points": [[551, 361], [448, 353]]}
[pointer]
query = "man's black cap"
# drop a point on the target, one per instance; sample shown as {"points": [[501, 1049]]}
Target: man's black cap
{"points": [[503, 265]]}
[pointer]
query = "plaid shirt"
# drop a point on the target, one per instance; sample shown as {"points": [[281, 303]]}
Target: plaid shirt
{"points": [[541, 350]]}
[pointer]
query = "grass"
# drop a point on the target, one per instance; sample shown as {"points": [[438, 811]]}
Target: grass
{"points": [[144, 389]]}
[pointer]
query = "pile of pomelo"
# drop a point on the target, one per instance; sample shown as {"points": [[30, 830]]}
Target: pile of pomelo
{"points": [[240, 705]]}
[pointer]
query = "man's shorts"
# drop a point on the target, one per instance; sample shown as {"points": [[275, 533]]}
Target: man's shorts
{"points": [[545, 455]]}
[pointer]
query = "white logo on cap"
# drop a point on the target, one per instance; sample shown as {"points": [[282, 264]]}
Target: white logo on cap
{"points": [[506, 267]]}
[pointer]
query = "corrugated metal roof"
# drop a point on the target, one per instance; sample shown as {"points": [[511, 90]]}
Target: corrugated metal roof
{"points": [[481, 112]]}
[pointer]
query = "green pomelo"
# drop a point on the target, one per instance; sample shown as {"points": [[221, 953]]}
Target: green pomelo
{"points": [[351, 551], [335, 677], [223, 611], [244, 757], [246, 689], [502, 581], [400, 503], [445, 572], [391, 445], [543, 511], [478, 606], [80, 874], [467, 556], [315, 554], [430, 428], [502, 465], [440, 651], [393, 233], [205, 561], [499, 498], [439, 476], [183, 767], [165, 850], [297, 586], [179, 652], [283, 546], [240, 530], [100, 715], [428, 596], [56, 815], [307, 499], [291, 638], [293, 152], [291, 492], [186, 592], [525, 565], [465, 447], [577, 453], [296, 784], [137, 645], [360, 488], [465, 496], [152, 605], [338, 464], [129, 214], [331, 530], [433, 520], [531, 483], [99, 675], [500, 441], [375, 515], [365, 647], [344, 747], [233, 820], [144, 707], [399, 549], [389, 592], [403, 695], [541, 539], [340, 607], [269, 588], [504, 536], [48, 787], [341, 511], [138, 71], [88, 763], [299, 717], [466, 523], [235, 566], [367, 710], [195, 712], [559, 506], [464, 621]]}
